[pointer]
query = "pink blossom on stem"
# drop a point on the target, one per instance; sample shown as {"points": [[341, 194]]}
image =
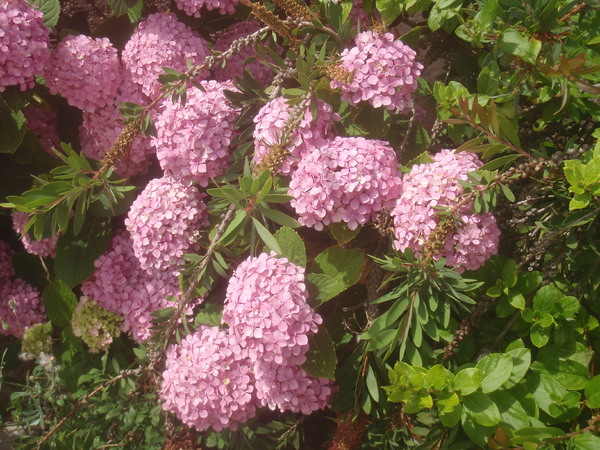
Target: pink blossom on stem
{"points": [[348, 179], [43, 247], [20, 307], [85, 71], [24, 41]]}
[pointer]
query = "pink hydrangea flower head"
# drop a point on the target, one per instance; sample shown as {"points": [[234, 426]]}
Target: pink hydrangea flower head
{"points": [[208, 382], [43, 247], [269, 126], [164, 221], [161, 41], [7, 271], [380, 70], [20, 307], [431, 186], [475, 241], [24, 41], [192, 140], [289, 388], [348, 179], [193, 7], [120, 285], [237, 63], [43, 123], [266, 308], [85, 71]]}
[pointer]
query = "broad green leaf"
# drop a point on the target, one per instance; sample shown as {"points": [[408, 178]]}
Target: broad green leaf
{"points": [[521, 359], [335, 270], [585, 441], [59, 302], [574, 172], [546, 297], [511, 411], [418, 401], [291, 245], [468, 380], [540, 335], [389, 9], [75, 255], [592, 392], [487, 16], [50, 9], [571, 374], [382, 340], [496, 369], [546, 390], [342, 233], [451, 418], [481, 408], [536, 434], [372, 385], [488, 81], [320, 358], [509, 273], [436, 377], [528, 282], [448, 401], [514, 43]]}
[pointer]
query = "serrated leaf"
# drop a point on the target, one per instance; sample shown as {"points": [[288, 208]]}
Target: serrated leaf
{"points": [[59, 303], [335, 270], [50, 9], [292, 246]]}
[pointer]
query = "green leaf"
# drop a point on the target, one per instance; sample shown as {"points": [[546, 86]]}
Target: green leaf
{"points": [[320, 358], [12, 124], [571, 374], [585, 441], [279, 217], [592, 392], [536, 434], [546, 297], [50, 9], [481, 409], [521, 359], [75, 255], [451, 418], [540, 335], [389, 9], [511, 411], [509, 273], [468, 380], [496, 369], [574, 172], [59, 302], [342, 233], [372, 385], [335, 270], [487, 16], [292, 246], [266, 236], [488, 81], [546, 390], [120, 7], [514, 43], [436, 376]]}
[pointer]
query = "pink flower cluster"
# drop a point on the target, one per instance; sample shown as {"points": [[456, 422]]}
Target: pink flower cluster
{"points": [[208, 382], [193, 7], [164, 221], [192, 140], [85, 71], [237, 63], [43, 247], [348, 179], [431, 186], [161, 41], [381, 71], [20, 303], [217, 378], [24, 41], [271, 120], [120, 285], [43, 123], [266, 308]]}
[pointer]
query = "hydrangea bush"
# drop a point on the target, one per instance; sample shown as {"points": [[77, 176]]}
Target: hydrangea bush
{"points": [[300, 224]]}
